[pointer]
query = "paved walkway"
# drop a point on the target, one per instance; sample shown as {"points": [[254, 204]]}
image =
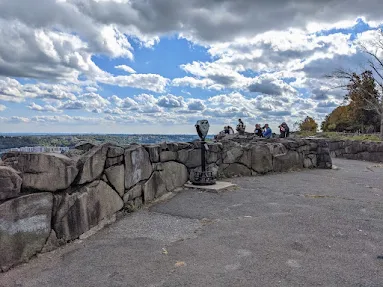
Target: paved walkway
{"points": [[309, 228]]}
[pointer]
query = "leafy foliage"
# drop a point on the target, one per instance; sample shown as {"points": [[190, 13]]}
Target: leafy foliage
{"points": [[308, 124]]}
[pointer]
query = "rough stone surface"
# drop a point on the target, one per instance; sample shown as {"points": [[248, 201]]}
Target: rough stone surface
{"points": [[133, 193], [110, 161], [91, 164], [115, 175], [80, 211], [168, 156], [289, 161], [368, 151], [85, 146], [137, 166], [172, 175], [154, 152], [74, 153], [25, 224], [236, 169], [153, 187], [190, 157], [261, 159], [43, 171], [10, 183], [115, 151]]}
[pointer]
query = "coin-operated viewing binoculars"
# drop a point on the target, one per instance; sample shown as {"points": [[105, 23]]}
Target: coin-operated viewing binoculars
{"points": [[203, 177]]}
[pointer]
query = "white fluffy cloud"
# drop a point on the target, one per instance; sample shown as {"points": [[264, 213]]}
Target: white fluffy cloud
{"points": [[126, 69], [258, 69]]}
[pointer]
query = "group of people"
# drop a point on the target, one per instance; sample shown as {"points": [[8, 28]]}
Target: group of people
{"points": [[264, 132]]}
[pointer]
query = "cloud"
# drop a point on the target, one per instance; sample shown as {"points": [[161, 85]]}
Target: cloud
{"points": [[151, 82], [171, 101], [45, 108], [196, 105], [126, 69], [2, 108], [87, 101]]}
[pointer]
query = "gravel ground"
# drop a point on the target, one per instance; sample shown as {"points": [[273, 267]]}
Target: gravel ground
{"points": [[308, 228]]}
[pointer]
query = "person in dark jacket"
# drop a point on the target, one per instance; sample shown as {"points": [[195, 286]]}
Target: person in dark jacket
{"points": [[284, 130], [258, 130]]}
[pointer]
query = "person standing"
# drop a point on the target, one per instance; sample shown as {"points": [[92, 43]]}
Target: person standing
{"points": [[241, 127]]}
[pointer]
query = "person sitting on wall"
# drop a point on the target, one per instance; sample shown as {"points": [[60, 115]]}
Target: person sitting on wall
{"points": [[258, 130], [241, 127], [284, 130], [267, 132]]}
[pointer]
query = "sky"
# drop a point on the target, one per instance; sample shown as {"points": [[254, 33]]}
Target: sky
{"points": [[158, 66]]}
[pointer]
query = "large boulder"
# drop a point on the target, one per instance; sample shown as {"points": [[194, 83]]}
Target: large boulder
{"points": [[116, 177], [235, 169], [10, 183], [290, 161], [170, 176], [25, 224], [91, 164], [80, 211], [190, 157], [137, 165], [43, 171], [115, 151], [261, 159]]}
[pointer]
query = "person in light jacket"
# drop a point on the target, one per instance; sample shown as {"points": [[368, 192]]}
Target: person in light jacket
{"points": [[267, 132]]}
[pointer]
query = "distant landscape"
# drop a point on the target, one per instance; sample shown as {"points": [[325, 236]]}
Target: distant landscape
{"points": [[21, 140]]}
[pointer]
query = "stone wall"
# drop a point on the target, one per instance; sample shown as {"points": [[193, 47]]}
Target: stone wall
{"points": [[47, 200], [367, 151]]}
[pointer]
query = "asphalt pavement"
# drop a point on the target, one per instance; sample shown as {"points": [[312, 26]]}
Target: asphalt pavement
{"points": [[306, 228]]}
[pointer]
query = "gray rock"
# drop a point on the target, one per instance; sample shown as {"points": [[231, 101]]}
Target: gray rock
{"points": [[52, 243], [154, 152], [236, 169], [80, 211], [277, 149], [261, 159], [232, 155], [168, 156], [43, 171], [10, 183], [116, 177], [115, 151], [154, 187], [137, 166], [290, 161], [74, 153], [110, 161], [173, 175], [190, 157], [85, 146], [25, 224], [91, 164], [134, 192]]}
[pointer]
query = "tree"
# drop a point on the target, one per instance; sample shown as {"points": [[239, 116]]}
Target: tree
{"points": [[339, 120], [366, 89], [308, 125]]}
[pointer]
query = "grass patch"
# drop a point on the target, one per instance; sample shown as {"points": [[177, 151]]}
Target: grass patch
{"points": [[342, 136]]}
